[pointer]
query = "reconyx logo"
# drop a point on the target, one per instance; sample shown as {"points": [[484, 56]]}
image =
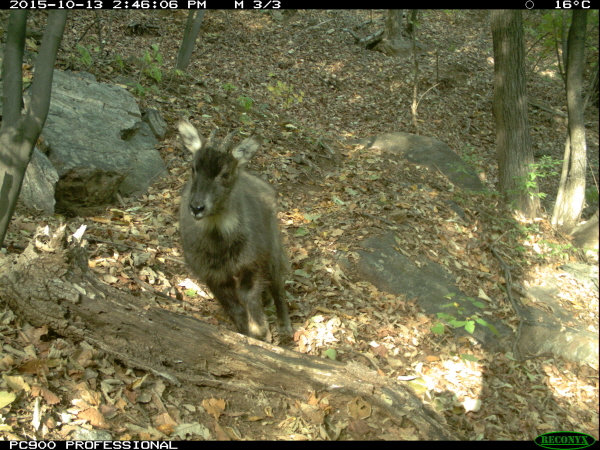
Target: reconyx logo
{"points": [[564, 440]]}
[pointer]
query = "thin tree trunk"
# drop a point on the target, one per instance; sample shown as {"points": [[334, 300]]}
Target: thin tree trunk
{"points": [[19, 134], [571, 193], [192, 27]]}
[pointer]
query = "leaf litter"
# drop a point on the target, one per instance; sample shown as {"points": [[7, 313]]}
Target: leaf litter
{"points": [[332, 197]]}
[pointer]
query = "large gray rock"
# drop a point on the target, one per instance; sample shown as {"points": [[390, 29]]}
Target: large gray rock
{"points": [[426, 151], [543, 329], [37, 192], [388, 269], [96, 140], [551, 329]]}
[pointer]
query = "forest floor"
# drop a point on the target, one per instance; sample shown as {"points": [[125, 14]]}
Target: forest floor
{"points": [[299, 80]]}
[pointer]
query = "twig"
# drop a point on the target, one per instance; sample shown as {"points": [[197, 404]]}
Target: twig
{"points": [[116, 244], [317, 25], [547, 108]]}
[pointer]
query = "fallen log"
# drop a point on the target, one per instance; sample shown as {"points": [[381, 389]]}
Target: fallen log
{"points": [[51, 284]]}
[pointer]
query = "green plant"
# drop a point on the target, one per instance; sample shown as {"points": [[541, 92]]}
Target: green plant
{"points": [[284, 93], [461, 167], [139, 89], [470, 156], [551, 27], [465, 321], [119, 62], [153, 61], [546, 167], [85, 56], [246, 102], [563, 251], [228, 87]]}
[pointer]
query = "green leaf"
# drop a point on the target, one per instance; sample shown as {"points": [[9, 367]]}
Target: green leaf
{"points": [[301, 232], [302, 273], [493, 329], [330, 353], [438, 328], [470, 326], [312, 217]]}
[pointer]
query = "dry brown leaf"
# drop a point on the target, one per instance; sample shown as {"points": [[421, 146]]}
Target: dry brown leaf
{"points": [[88, 395], [359, 409], [49, 397], [100, 219], [221, 433], [32, 366], [164, 419], [34, 334], [94, 417], [214, 407], [166, 428], [312, 414], [255, 418], [360, 427]]}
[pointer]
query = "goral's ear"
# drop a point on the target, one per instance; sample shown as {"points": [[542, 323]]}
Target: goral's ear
{"points": [[246, 149], [189, 136]]}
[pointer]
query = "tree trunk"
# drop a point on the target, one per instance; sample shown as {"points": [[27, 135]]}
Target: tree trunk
{"points": [[192, 27], [411, 21], [51, 284], [393, 44], [19, 134], [393, 24], [513, 141], [571, 190]]}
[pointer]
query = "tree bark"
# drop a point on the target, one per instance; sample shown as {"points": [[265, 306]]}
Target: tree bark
{"points": [[192, 27], [51, 284], [411, 21], [19, 134], [393, 24], [393, 43], [513, 141], [571, 191]]}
